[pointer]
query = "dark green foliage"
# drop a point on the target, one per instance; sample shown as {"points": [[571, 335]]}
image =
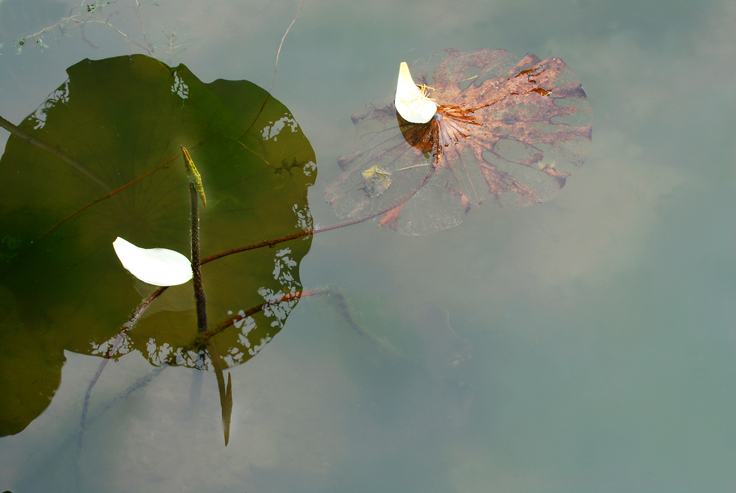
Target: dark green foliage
{"points": [[121, 118]]}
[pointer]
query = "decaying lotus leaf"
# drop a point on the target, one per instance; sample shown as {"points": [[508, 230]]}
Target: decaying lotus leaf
{"points": [[506, 129]]}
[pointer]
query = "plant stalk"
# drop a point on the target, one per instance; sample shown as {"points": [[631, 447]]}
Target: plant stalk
{"points": [[196, 191], [199, 295]]}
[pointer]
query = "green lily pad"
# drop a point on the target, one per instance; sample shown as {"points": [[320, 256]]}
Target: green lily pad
{"points": [[116, 120]]}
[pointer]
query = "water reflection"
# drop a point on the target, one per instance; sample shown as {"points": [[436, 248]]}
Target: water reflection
{"points": [[601, 322]]}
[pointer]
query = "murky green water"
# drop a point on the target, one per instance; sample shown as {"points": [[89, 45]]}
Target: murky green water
{"points": [[582, 344]]}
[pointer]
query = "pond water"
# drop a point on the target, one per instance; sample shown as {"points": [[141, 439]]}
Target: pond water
{"points": [[582, 344]]}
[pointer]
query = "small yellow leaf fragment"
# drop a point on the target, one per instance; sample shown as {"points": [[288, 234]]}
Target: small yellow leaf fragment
{"points": [[194, 176], [377, 180]]}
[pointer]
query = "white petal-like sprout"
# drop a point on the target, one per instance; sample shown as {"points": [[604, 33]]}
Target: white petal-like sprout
{"points": [[412, 102], [156, 266]]}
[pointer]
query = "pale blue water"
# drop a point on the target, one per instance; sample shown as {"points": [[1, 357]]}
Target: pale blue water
{"points": [[600, 324]]}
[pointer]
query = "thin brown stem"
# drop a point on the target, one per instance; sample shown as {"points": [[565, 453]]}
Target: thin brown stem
{"points": [[120, 189], [49, 148], [55, 150], [275, 70], [294, 236], [132, 320], [283, 38], [258, 308]]}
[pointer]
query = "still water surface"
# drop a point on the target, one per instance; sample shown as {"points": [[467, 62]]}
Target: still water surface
{"points": [[582, 344]]}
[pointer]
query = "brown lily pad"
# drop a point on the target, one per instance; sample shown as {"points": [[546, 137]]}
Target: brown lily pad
{"points": [[507, 130]]}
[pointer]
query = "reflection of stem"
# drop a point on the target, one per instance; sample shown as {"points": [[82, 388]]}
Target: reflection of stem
{"points": [[226, 393], [346, 311], [87, 418], [207, 339]]}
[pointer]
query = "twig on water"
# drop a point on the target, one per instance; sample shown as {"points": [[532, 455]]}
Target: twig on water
{"points": [[275, 70]]}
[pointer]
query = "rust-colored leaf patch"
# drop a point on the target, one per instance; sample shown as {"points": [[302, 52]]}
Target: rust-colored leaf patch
{"points": [[506, 129]]}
